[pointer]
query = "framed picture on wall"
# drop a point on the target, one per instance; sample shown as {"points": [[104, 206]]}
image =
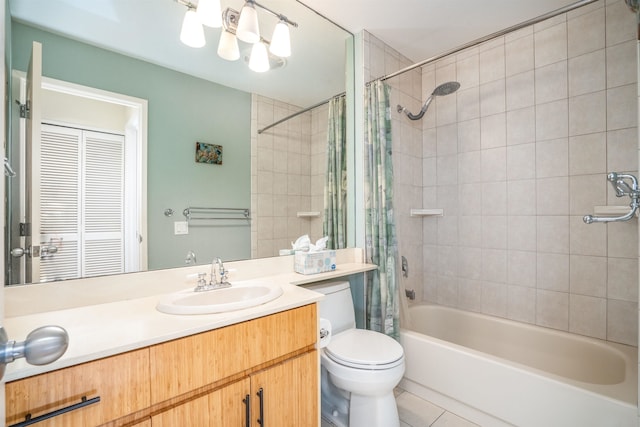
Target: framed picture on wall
{"points": [[208, 153]]}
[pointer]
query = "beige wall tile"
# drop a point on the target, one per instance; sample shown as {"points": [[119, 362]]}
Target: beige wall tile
{"points": [[587, 240], [521, 304], [492, 64], [520, 90], [587, 73], [519, 55], [586, 33], [522, 233], [550, 45], [588, 316], [522, 268], [552, 309], [588, 275], [521, 197], [552, 120], [493, 131], [622, 64], [588, 113], [521, 161], [552, 158], [553, 234], [588, 154], [552, 272], [494, 298], [468, 103], [622, 325], [622, 279], [521, 126], [622, 107], [551, 82]]}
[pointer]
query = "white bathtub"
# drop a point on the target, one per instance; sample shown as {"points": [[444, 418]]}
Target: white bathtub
{"points": [[497, 372]]}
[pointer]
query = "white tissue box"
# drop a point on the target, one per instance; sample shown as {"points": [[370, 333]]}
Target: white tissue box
{"points": [[314, 262]]}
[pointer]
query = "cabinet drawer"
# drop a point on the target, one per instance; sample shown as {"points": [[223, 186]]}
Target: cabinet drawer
{"points": [[121, 381], [188, 363]]}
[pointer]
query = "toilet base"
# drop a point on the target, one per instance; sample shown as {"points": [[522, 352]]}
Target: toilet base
{"points": [[370, 411]]}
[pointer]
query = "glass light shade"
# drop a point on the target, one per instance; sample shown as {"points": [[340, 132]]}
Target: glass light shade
{"points": [[259, 59], [192, 33], [280, 40], [210, 13], [248, 28], [228, 46]]}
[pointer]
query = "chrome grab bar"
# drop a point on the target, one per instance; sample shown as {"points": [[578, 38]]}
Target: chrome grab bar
{"points": [[622, 188]]}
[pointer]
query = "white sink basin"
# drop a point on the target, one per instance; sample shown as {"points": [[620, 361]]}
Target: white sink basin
{"points": [[218, 300]]}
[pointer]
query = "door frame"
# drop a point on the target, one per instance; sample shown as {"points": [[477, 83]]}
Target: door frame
{"points": [[136, 131]]}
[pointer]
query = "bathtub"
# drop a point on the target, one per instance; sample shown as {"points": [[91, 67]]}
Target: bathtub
{"points": [[496, 372]]}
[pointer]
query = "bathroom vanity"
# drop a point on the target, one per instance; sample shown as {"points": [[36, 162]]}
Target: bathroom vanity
{"points": [[266, 367], [130, 365]]}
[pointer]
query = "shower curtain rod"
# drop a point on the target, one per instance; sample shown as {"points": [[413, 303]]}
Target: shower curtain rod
{"points": [[489, 37], [291, 116]]}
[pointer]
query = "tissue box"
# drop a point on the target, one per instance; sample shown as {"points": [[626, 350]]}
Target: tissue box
{"points": [[314, 262]]}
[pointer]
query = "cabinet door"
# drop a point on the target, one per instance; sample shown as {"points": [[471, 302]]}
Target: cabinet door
{"points": [[223, 407], [289, 393], [186, 364]]}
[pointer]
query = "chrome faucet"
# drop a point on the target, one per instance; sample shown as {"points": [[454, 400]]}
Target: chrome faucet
{"points": [[217, 268], [222, 272]]}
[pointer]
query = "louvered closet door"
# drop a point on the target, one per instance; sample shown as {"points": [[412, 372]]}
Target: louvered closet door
{"points": [[81, 203], [60, 202], [102, 237]]}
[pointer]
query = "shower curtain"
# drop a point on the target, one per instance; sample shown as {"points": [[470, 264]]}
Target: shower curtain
{"points": [[381, 245], [334, 224]]}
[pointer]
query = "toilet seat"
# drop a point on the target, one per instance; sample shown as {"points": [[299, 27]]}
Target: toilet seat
{"points": [[364, 349]]}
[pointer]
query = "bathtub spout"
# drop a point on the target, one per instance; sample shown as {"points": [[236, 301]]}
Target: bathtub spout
{"points": [[410, 293]]}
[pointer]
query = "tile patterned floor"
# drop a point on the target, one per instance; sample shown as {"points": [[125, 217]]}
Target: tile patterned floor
{"points": [[416, 412]]}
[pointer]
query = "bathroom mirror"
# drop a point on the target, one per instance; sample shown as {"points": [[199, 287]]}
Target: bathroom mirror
{"points": [[193, 96]]}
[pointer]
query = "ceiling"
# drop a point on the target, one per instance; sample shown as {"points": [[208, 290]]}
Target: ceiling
{"points": [[421, 29], [149, 30]]}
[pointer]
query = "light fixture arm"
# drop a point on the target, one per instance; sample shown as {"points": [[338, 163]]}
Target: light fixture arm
{"points": [[277, 15]]}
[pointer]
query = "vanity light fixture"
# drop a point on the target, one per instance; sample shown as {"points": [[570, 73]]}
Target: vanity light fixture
{"points": [[259, 59], [192, 33], [243, 26], [248, 27]]}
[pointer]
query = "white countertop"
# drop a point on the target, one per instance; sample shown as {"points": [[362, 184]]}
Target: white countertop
{"points": [[117, 325]]}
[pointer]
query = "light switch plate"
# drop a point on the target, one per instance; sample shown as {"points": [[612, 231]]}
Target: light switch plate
{"points": [[180, 227]]}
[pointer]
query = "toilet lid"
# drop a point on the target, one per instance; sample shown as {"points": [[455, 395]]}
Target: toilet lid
{"points": [[365, 349]]}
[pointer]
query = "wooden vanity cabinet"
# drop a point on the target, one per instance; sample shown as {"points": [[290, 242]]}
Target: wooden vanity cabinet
{"points": [[284, 395], [274, 353], [121, 382], [199, 380]]}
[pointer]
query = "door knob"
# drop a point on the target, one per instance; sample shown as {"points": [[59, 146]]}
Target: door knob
{"points": [[18, 252], [43, 345]]}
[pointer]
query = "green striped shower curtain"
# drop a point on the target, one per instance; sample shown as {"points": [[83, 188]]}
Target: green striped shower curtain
{"points": [[334, 224], [381, 247]]}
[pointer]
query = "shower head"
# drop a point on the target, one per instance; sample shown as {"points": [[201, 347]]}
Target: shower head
{"points": [[441, 90], [446, 89]]}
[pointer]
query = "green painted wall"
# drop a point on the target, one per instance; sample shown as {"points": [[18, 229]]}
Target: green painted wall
{"points": [[182, 110]]}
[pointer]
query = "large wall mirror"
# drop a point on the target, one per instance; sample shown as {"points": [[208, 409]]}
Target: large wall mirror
{"points": [[184, 128]]}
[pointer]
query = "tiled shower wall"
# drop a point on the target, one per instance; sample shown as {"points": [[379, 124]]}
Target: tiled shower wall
{"points": [[515, 158], [287, 175]]}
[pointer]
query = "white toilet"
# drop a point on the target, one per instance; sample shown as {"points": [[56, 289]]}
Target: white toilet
{"points": [[360, 368]]}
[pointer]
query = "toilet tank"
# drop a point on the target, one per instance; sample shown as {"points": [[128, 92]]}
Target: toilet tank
{"points": [[337, 305]]}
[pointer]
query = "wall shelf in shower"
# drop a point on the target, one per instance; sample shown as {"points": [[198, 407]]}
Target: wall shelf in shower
{"points": [[426, 212], [308, 214]]}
